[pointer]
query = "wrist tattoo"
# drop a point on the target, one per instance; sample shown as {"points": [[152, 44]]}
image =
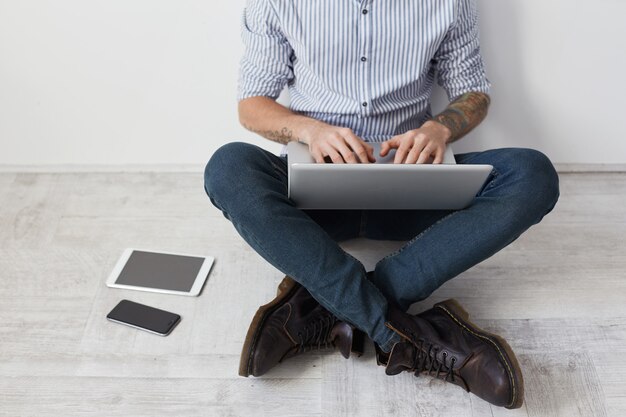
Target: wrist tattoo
{"points": [[464, 113], [283, 136]]}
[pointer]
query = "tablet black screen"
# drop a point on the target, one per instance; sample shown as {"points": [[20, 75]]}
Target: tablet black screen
{"points": [[160, 270]]}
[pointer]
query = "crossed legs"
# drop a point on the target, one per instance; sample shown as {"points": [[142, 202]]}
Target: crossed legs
{"points": [[249, 186], [327, 295]]}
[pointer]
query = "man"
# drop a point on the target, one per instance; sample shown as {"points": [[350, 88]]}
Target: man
{"points": [[362, 71]]}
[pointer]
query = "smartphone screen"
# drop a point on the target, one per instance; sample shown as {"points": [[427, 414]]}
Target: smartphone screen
{"points": [[143, 317]]}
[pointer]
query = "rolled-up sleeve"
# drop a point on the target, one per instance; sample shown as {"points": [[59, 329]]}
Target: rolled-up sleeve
{"points": [[459, 64], [266, 65]]}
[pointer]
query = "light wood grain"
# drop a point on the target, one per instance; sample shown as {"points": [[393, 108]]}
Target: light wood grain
{"points": [[556, 294], [562, 383]]}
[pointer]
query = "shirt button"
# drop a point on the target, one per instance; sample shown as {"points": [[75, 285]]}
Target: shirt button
{"points": [[364, 11], [363, 59], [365, 104]]}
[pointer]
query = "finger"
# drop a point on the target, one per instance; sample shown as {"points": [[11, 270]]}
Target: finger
{"points": [[333, 154], [388, 145], [414, 153], [344, 150], [402, 151], [370, 154], [369, 149], [439, 156], [358, 146], [425, 155], [317, 155], [421, 142], [383, 148], [316, 152]]}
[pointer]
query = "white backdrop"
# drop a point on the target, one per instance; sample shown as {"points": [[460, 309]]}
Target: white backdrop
{"points": [[153, 81]]}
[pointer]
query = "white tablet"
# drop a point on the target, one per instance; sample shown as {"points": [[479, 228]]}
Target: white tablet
{"points": [[170, 273]]}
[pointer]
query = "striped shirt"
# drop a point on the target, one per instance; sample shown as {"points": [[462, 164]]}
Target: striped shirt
{"points": [[368, 65]]}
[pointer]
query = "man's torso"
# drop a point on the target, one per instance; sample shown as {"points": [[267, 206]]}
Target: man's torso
{"points": [[365, 64]]}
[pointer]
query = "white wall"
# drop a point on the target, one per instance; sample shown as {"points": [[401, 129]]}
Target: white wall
{"points": [[153, 82]]}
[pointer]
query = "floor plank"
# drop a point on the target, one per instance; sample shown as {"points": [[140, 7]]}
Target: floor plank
{"points": [[556, 294]]}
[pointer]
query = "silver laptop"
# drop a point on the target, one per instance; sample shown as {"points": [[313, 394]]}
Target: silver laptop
{"points": [[382, 185]]}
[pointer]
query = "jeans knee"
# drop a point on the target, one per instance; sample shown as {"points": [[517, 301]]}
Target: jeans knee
{"points": [[540, 177], [220, 171]]}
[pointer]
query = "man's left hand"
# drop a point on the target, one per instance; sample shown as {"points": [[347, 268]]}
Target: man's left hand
{"points": [[428, 143]]}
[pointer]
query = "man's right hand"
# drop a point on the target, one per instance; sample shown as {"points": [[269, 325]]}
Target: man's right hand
{"points": [[340, 144], [263, 115]]}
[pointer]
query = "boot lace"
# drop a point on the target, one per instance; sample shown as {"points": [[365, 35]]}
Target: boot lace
{"points": [[316, 334], [425, 359]]}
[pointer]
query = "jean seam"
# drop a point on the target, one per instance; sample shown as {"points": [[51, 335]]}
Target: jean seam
{"points": [[390, 342], [375, 288], [365, 276], [490, 185], [277, 169], [397, 252], [496, 174], [493, 169]]}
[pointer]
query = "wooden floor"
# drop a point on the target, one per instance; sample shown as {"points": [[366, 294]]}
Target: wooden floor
{"points": [[557, 294]]}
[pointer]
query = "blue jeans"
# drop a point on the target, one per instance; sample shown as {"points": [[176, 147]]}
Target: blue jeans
{"points": [[249, 185]]}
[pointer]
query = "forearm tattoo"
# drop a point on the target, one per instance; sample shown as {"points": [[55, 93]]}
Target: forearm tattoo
{"points": [[464, 114], [283, 136]]}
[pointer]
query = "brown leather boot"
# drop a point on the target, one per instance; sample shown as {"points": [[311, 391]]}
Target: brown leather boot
{"points": [[293, 323], [443, 342]]}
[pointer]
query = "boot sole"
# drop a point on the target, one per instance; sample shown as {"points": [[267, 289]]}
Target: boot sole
{"points": [[453, 309], [285, 290]]}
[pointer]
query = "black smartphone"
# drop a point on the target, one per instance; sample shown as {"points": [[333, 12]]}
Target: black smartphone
{"points": [[144, 317]]}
